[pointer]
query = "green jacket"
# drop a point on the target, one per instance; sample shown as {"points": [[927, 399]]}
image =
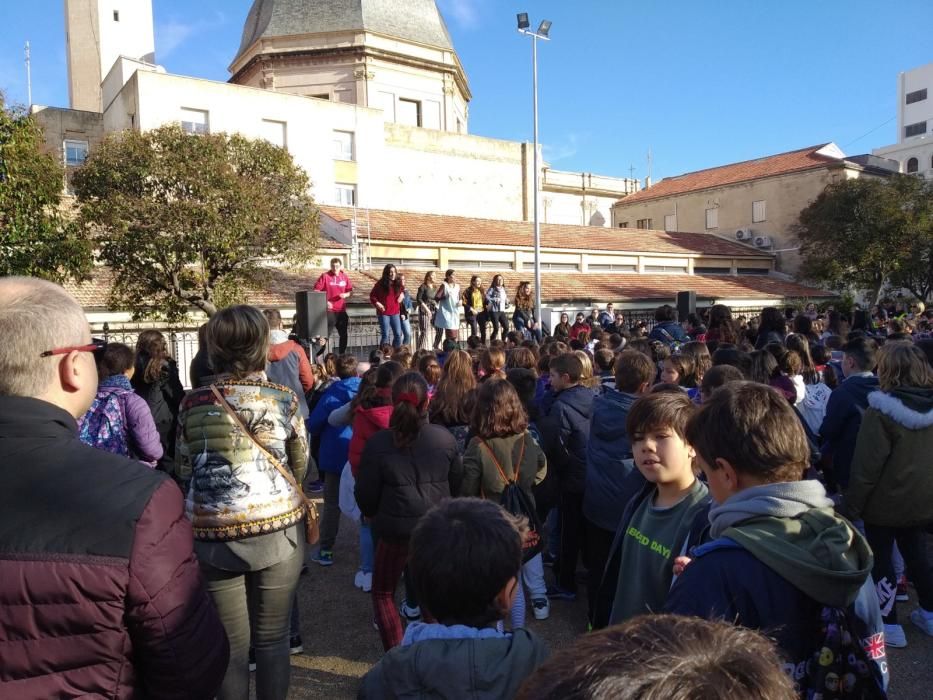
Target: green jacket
{"points": [[481, 477], [891, 484]]}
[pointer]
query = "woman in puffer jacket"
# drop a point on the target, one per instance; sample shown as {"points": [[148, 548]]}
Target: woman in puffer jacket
{"points": [[891, 484], [247, 518]]}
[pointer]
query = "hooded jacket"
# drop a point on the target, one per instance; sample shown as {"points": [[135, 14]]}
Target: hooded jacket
{"points": [[335, 441], [565, 428], [289, 366], [455, 669], [891, 482], [843, 417], [366, 423], [775, 573], [609, 466]]}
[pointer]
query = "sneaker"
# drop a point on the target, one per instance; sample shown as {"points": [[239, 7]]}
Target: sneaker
{"points": [[294, 645], [252, 659], [923, 619], [358, 580], [316, 486], [894, 636], [375, 625], [324, 557], [541, 607], [902, 594], [363, 580], [411, 614], [558, 593]]}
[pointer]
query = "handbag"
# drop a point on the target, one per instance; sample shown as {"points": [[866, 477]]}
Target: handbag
{"points": [[312, 521]]}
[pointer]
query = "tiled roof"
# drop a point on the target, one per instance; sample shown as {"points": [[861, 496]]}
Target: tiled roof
{"points": [[780, 164], [436, 228], [557, 287]]}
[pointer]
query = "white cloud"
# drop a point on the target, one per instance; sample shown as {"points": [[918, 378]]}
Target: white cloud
{"points": [[171, 35], [464, 12], [561, 150]]}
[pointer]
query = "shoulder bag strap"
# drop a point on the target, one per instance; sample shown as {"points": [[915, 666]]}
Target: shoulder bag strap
{"points": [[516, 469], [289, 477]]}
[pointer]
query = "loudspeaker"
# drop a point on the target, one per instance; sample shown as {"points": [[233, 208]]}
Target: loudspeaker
{"points": [[311, 312], [686, 304]]}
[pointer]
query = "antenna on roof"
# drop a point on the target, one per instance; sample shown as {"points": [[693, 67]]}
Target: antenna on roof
{"points": [[648, 179], [28, 53]]}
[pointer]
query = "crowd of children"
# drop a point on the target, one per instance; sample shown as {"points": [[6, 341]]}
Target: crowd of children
{"points": [[772, 473]]}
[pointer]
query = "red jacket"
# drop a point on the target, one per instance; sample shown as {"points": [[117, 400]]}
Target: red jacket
{"points": [[366, 423], [100, 591], [333, 286], [577, 328], [389, 299]]}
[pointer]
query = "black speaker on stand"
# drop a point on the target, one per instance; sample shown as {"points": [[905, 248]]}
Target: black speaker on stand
{"points": [[311, 312], [686, 304]]}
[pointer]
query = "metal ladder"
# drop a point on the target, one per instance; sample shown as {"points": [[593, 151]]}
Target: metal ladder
{"points": [[360, 240]]}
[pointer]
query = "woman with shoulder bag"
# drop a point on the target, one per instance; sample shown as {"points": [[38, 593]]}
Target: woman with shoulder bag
{"points": [[242, 451]]}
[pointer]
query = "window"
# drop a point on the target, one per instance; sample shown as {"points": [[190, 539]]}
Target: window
{"points": [[273, 132], [917, 129], [712, 218], [195, 121], [560, 267], [116, 16], [612, 267], [643, 223], [459, 126], [343, 145], [624, 224], [697, 270], [75, 153], [665, 268], [670, 222], [759, 211], [409, 112], [345, 195], [916, 96], [913, 165], [752, 271], [482, 264], [322, 96], [406, 263]]}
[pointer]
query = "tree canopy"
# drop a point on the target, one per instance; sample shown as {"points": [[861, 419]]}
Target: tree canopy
{"points": [[36, 239], [871, 234], [189, 220]]}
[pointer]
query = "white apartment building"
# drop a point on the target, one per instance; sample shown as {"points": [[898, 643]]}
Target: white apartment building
{"points": [[914, 147]]}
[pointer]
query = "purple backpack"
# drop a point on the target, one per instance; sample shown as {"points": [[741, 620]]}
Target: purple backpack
{"points": [[104, 425]]}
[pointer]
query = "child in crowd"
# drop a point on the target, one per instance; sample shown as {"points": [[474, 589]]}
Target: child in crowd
{"points": [[780, 559], [662, 521], [492, 364], [611, 478], [713, 661], [404, 471], [119, 420], [466, 557], [604, 359], [891, 484], [716, 377], [680, 369], [502, 451], [430, 369]]}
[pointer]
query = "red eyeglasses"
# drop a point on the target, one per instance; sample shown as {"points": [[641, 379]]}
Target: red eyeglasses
{"points": [[96, 346]]}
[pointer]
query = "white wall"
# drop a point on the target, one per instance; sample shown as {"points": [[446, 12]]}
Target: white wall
{"points": [[908, 82]]}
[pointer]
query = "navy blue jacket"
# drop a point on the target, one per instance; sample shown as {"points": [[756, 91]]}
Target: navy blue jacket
{"points": [[671, 328], [843, 418], [609, 481], [565, 429]]}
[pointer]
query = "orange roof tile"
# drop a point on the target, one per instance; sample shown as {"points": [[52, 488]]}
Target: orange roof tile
{"points": [[409, 227], [780, 164]]}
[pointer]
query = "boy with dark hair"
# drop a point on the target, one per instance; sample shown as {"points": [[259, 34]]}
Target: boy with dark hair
{"points": [[465, 558], [611, 477], [663, 520], [565, 429], [713, 661], [846, 405], [781, 560], [604, 360], [718, 376]]}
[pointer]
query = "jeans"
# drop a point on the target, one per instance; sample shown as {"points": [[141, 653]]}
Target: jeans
{"points": [[385, 323], [340, 321], [330, 520], [367, 551], [406, 330], [912, 543], [391, 556], [256, 606]]}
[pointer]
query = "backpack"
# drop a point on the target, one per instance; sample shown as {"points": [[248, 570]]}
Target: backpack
{"points": [[840, 667], [517, 502], [104, 425], [670, 340]]}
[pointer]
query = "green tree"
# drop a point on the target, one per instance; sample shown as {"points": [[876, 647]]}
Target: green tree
{"points": [[188, 220], [36, 238], [869, 233]]}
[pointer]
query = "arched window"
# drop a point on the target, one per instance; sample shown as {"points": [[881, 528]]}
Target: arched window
{"points": [[913, 165]]}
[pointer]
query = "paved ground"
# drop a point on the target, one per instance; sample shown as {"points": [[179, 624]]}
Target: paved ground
{"points": [[341, 644]]}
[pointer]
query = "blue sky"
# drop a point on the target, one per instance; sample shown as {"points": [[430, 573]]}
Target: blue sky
{"points": [[700, 83]]}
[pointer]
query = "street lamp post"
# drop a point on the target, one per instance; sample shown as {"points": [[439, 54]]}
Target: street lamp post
{"points": [[524, 27]]}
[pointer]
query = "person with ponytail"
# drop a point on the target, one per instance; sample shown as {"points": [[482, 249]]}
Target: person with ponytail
{"points": [[156, 379], [403, 472]]}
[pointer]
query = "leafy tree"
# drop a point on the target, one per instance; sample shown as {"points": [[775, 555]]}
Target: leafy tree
{"points": [[36, 238], [870, 233], [189, 220]]}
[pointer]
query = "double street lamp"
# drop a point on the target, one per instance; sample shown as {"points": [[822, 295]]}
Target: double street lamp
{"points": [[524, 27]]}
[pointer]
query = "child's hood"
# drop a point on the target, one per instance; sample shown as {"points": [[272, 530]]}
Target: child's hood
{"points": [[910, 407], [818, 552]]}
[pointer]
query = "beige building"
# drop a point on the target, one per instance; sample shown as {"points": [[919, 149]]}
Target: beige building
{"points": [[756, 202]]}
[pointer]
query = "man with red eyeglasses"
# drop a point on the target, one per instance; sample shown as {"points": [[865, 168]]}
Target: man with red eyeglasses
{"points": [[101, 593]]}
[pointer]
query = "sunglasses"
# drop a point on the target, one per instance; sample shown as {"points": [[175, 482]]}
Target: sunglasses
{"points": [[96, 346]]}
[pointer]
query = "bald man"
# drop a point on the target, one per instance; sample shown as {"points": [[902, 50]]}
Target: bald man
{"points": [[100, 593]]}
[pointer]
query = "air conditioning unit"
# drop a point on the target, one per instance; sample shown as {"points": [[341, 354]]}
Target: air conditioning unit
{"points": [[762, 241], [743, 234]]}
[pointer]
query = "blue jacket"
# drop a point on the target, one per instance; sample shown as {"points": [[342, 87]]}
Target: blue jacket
{"points": [[609, 481], [843, 418], [564, 424], [335, 441], [673, 329]]}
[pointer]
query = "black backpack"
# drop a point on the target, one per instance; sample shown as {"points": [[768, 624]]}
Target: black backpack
{"points": [[517, 502]]}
